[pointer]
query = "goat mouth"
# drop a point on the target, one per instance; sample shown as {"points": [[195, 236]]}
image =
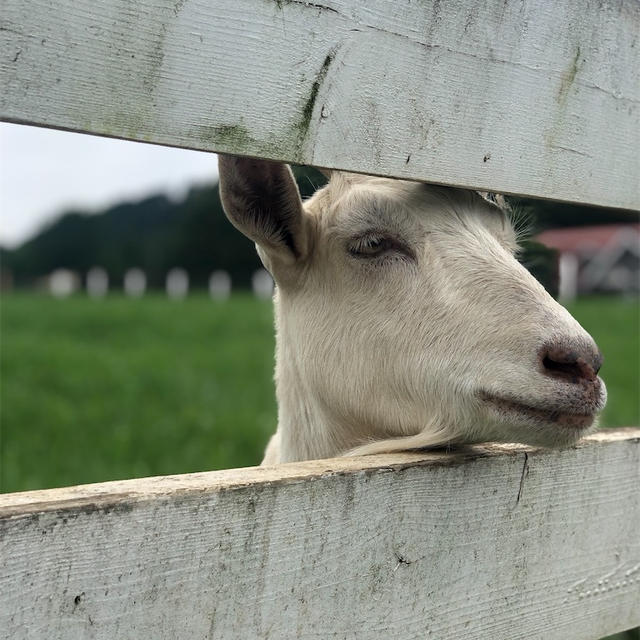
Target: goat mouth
{"points": [[566, 418]]}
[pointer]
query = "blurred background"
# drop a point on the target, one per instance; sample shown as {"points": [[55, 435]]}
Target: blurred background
{"points": [[136, 322]]}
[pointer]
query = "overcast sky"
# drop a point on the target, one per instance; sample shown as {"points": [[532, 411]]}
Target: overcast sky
{"points": [[44, 172]]}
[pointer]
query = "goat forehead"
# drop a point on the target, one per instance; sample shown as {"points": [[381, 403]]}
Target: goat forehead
{"points": [[364, 200]]}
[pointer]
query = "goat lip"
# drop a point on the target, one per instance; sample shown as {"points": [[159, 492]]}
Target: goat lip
{"points": [[561, 417]]}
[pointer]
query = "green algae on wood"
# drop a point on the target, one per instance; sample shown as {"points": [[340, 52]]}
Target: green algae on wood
{"points": [[301, 128]]}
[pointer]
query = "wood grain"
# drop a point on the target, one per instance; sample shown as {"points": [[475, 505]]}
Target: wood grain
{"points": [[500, 542], [537, 99]]}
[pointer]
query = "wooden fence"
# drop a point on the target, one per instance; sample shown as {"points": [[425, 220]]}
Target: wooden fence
{"points": [[500, 542], [535, 99], [531, 98]]}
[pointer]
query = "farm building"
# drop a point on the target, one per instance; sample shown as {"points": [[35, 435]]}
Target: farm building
{"points": [[597, 259]]}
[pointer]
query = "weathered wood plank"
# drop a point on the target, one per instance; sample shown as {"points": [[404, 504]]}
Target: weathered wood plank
{"points": [[490, 542], [538, 99]]}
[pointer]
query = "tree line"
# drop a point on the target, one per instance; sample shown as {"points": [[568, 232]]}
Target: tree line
{"points": [[158, 234]]}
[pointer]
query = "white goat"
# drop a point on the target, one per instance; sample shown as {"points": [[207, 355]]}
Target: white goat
{"points": [[403, 319]]}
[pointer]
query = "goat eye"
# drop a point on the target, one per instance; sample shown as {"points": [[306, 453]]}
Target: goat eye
{"points": [[370, 246]]}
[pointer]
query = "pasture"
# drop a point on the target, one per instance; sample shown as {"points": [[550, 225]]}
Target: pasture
{"points": [[96, 390]]}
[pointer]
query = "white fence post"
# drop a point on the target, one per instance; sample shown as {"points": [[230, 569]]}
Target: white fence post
{"points": [[568, 276], [220, 285], [63, 282], [135, 282], [177, 283], [97, 282], [262, 284]]}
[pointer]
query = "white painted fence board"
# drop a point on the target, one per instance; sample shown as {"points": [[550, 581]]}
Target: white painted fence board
{"points": [[530, 98], [500, 542]]}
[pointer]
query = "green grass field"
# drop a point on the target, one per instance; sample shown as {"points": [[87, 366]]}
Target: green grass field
{"points": [[97, 390]]}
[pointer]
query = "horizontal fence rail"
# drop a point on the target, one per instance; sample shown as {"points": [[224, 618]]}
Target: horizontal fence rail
{"points": [[501, 542], [538, 99]]}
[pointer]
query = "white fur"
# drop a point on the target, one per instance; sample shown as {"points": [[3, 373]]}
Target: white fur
{"points": [[395, 353]]}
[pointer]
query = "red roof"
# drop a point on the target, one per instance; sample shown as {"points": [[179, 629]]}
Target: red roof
{"points": [[579, 239]]}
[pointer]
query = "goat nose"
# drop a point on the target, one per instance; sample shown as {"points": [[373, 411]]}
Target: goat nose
{"points": [[571, 364]]}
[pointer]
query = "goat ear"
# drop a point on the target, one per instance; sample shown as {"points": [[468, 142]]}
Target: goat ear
{"points": [[262, 200]]}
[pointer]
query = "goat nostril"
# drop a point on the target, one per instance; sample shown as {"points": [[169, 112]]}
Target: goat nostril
{"points": [[570, 366]]}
